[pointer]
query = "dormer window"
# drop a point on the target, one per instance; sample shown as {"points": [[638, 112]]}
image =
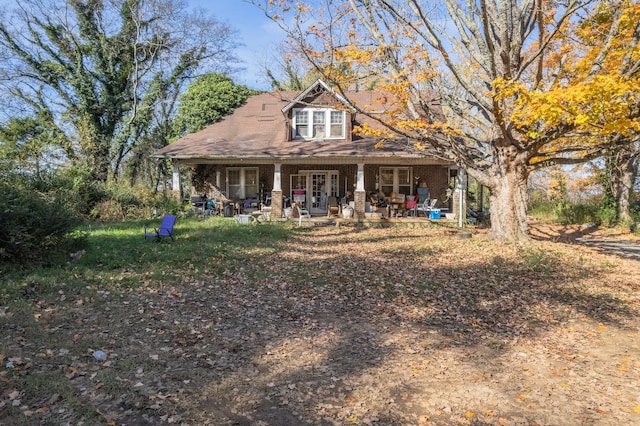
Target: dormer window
{"points": [[311, 123]]}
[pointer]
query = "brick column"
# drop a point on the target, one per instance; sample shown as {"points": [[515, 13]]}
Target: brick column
{"points": [[360, 198], [276, 192], [276, 204]]}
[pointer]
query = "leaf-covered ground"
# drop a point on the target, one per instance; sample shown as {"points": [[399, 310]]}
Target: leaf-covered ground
{"points": [[341, 326]]}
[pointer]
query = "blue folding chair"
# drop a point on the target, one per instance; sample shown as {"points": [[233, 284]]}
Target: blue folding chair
{"points": [[165, 229]]}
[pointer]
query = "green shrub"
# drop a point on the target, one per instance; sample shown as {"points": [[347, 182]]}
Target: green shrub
{"points": [[608, 216], [38, 216], [125, 202], [566, 213], [578, 213], [543, 210]]}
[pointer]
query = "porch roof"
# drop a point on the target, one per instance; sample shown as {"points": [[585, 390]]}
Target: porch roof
{"points": [[257, 132]]}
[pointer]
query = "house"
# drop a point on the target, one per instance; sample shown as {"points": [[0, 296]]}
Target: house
{"points": [[300, 146]]}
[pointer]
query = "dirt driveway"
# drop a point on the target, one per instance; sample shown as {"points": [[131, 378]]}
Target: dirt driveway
{"points": [[611, 241]]}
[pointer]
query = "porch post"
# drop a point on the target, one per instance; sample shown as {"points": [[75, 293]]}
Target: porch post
{"points": [[277, 177], [276, 192], [176, 188], [459, 204], [360, 195]]}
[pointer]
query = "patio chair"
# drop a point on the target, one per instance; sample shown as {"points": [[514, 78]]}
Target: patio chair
{"points": [[165, 229], [427, 206], [333, 207], [199, 204], [302, 213], [423, 195], [410, 206], [212, 208], [247, 207]]}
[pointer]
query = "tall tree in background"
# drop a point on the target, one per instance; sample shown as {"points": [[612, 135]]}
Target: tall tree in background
{"points": [[30, 144], [617, 177], [481, 60], [108, 71], [629, 165], [287, 71], [207, 100]]}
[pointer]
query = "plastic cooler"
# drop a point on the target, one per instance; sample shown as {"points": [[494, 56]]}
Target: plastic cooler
{"points": [[434, 214]]}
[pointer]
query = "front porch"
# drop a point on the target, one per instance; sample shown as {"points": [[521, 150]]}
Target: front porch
{"points": [[385, 187]]}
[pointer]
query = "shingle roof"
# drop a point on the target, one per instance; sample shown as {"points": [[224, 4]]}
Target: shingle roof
{"points": [[258, 130]]}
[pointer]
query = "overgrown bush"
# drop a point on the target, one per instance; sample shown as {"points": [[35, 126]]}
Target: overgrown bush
{"points": [[542, 210], [608, 216], [568, 213], [38, 218], [125, 202]]}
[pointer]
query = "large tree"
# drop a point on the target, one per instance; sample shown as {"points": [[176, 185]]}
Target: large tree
{"points": [[109, 71], [207, 99], [479, 60]]}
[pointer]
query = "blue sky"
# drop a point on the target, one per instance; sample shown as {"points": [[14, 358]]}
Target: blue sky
{"points": [[257, 33]]}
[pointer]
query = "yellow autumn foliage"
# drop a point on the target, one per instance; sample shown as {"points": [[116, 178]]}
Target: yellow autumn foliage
{"points": [[593, 95]]}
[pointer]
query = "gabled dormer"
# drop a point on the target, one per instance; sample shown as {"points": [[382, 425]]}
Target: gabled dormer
{"points": [[318, 113]]}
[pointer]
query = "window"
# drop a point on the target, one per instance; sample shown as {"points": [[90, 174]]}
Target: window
{"points": [[242, 182], [396, 179], [301, 124], [337, 124], [318, 124], [325, 124]]}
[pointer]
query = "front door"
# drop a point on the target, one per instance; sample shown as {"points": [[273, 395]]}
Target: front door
{"points": [[318, 193]]}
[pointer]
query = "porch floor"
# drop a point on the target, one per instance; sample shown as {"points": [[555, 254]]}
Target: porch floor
{"points": [[373, 222]]}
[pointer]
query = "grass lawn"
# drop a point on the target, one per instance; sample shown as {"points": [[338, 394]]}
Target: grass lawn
{"points": [[272, 324]]}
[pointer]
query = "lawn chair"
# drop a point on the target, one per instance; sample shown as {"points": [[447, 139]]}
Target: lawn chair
{"points": [[410, 206], [427, 206], [212, 209], [199, 204], [333, 206], [302, 213], [165, 230], [247, 206]]}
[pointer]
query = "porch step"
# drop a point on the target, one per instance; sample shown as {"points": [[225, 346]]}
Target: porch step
{"points": [[408, 222]]}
